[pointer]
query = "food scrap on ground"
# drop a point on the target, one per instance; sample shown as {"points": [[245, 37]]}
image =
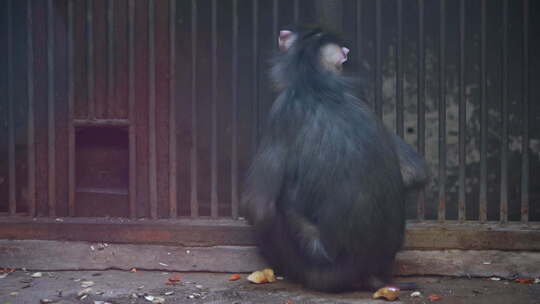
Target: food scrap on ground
{"points": [[388, 293], [434, 297], [262, 276], [86, 284], [173, 280], [234, 277]]}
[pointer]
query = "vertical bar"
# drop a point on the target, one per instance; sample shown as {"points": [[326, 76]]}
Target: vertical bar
{"points": [[378, 63], [421, 97], [234, 152], [90, 59], [194, 155], [359, 38], [421, 79], [110, 56], [296, 11], [31, 128], [483, 117], [504, 113], [526, 139], [131, 111], [214, 194], [358, 25], [275, 20], [255, 75], [152, 111], [399, 71], [173, 193], [442, 112], [462, 113], [11, 120], [51, 119], [71, 129]]}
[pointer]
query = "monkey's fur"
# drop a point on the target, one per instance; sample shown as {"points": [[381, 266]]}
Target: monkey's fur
{"points": [[326, 190]]}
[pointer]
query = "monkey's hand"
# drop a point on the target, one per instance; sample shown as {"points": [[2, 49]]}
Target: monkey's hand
{"points": [[316, 252], [309, 239]]}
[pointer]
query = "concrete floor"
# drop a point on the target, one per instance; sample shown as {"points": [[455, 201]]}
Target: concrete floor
{"points": [[114, 286]]}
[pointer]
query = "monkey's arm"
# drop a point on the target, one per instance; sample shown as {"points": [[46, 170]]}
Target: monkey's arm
{"points": [[414, 169], [263, 184]]}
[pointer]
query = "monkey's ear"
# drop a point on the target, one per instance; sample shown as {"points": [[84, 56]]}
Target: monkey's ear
{"points": [[286, 39]]}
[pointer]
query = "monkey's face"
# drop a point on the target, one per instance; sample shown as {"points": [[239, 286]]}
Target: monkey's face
{"points": [[333, 56]]}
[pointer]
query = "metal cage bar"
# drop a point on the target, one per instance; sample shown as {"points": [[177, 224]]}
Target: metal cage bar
{"points": [[12, 178], [504, 113], [214, 152], [51, 109], [483, 116], [90, 59], [442, 111], [526, 132], [461, 115], [173, 190], [131, 111], [110, 55], [399, 71], [152, 158], [31, 122], [421, 121], [378, 61], [234, 148], [71, 102], [194, 156]]}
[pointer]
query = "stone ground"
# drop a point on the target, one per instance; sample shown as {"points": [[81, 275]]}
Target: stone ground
{"points": [[115, 286]]}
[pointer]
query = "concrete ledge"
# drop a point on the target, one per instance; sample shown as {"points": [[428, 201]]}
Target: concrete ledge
{"points": [[218, 232], [58, 255]]}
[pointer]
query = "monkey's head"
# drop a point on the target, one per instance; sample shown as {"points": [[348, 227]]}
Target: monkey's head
{"points": [[308, 56]]}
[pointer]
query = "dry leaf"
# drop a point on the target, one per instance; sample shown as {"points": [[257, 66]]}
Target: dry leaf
{"points": [[387, 293], [434, 297], [525, 281], [234, 277]]}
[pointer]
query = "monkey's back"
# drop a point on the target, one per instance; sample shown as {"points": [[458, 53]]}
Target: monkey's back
{"points": [[343, 173]]}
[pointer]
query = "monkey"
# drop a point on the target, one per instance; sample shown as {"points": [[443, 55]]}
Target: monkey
{"points": [[326, 189]]}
